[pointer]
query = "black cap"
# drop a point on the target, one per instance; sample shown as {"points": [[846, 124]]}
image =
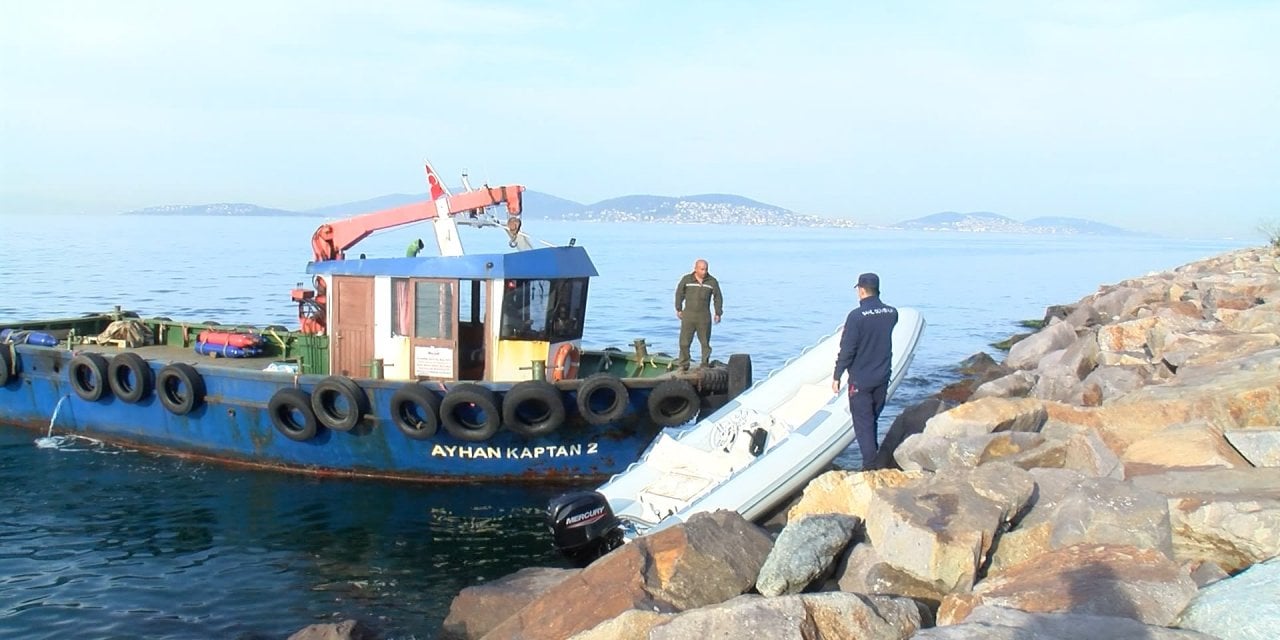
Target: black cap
{"points": [[869, 281]]}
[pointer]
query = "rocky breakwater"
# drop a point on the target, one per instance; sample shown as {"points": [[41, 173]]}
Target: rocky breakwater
{"points": [[1116, 476]]}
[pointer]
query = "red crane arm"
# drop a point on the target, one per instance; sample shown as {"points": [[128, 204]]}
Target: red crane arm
{"points": [[333, 239]]}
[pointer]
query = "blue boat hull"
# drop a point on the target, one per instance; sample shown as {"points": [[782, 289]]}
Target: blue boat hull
{"points": [[234, 425]]}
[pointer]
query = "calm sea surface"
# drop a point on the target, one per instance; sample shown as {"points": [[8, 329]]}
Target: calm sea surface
{"points": [[107, 543]]}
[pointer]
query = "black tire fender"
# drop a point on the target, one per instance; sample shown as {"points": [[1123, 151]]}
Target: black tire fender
{"points": [[602, 398], [130, 377], [471, 412], [339, 403], [88, 375], [533, 408], [739, 374], [180, 387], [416, 411], [673, 402], [6, 365], [286, 407]]}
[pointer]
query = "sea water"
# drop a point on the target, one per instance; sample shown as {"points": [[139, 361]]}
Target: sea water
{"points": [[103, 542]]}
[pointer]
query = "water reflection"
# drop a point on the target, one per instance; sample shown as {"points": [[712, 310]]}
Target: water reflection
{"points": [[167, 547]]}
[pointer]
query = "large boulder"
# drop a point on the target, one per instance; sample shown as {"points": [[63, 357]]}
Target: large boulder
{"points": [[999, 623], [1239, 393], [1114, 302], [1086, 452], [1026, 354], [1104, 580], [811, 615], [1206, 348], [1128, 336], [988, 415], [1105, 384], [1259, 445], [1264, 318], [862, 570], [478, 609], [1015, 385], [1244, 607], [709, 559], [939, 529], [1070, 508], [345, 630], [1227, 516], [803, 552], [632, 624], [931, 453], [1191, 445], [846, 492], [910, 422]]}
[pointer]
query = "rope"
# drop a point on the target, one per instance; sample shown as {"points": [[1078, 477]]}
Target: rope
{"points": [[279, 341]]}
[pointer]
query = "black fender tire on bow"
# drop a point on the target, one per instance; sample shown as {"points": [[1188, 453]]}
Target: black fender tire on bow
{"points": [[739, 374], [416, 411], [180, 387], [602, 398], [6, 365], [471, 412], [130, 377], [291, 413], [88, 375], [673, 402], [339, 403], [533, 408]]}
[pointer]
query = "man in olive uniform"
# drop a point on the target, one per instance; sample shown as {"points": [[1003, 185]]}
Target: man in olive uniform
{"points": [[694, 294]]}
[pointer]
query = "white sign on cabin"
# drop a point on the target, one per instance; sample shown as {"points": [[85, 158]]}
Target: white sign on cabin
{"points": [[432, 362]]}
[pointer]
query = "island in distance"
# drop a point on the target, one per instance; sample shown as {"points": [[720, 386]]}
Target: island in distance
{"points": [[713, 208]]}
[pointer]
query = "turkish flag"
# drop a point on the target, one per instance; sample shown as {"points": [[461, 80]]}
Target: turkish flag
{"points": [[437, 189]]}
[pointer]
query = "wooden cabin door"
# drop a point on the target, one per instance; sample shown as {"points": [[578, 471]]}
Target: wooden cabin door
{"points": [[351, 336], [435, 329]]}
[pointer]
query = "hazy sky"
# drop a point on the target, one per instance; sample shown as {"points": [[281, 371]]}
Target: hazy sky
{"points": [[1160, 115]]}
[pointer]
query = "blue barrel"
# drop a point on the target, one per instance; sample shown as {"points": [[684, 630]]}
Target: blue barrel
{"points": [[38, 338], [226, 351]]}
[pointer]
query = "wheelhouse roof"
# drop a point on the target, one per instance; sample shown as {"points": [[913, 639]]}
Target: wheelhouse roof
{"points": [[550, 262]]}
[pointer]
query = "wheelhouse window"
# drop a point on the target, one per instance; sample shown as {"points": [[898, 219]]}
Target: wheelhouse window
{"points": [[422, 308], [546, 310]]}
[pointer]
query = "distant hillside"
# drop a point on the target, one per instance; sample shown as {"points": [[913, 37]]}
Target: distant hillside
{"points": [[548, 207], [668, 206], [986, 221], [709, 208], [1080, 225], [955, 221], [218, 209]]}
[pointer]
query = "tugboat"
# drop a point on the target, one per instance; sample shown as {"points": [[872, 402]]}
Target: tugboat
{"points": [[450, 368]]}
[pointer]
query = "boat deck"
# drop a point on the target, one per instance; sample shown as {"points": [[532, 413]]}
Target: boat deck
{"points": [[168, 353]]}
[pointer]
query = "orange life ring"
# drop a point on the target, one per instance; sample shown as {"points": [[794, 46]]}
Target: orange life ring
{"points": [[566, 364]]}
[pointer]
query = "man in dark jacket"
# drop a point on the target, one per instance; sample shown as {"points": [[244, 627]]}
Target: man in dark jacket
{"points": [[866, 351], [694, 294]]}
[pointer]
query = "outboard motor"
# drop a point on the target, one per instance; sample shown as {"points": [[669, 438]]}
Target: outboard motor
{"points": [[583, 526]]}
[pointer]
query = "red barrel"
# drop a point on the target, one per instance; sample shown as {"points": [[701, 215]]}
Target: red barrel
{"points": [[230, 339]]}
